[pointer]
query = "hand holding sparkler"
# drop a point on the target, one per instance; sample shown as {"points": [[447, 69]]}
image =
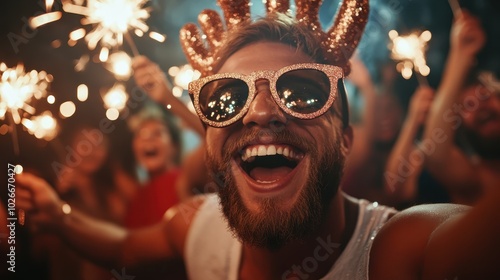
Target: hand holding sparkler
{"points": [[420, 104], [17, 90], [151, 78], [40, 201], [467, 35]]}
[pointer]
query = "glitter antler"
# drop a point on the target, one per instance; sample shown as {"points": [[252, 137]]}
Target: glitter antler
{"points": [[345, 34], [339, 42]]}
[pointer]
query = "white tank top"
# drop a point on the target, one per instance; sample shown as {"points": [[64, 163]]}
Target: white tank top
{"points": [[212, 252]]}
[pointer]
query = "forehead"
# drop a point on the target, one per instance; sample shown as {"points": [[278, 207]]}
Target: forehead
{"points": [[263, 56]]}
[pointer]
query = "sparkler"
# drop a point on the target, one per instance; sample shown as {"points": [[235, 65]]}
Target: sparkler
{"points": [[409, 50], [111, 20], [17, 90], [43, 126], [455, 7]]}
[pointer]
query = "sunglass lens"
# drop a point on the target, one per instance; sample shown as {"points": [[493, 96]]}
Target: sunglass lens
{"points": [[303, 91], [223, 99]]}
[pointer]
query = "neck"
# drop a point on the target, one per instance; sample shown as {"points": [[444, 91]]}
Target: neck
{"points": [[316, 253]]}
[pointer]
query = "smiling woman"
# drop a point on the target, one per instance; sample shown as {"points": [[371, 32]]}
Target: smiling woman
{"points": [[157, 146]]}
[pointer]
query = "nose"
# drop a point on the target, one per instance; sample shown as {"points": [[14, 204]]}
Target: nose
{"points": [[263, 111]]}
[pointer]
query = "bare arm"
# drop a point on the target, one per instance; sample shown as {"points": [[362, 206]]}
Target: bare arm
{"points": [[405, 161], [101, 242], [442, 241], [150, 77], [468, 247], [447, 163]]}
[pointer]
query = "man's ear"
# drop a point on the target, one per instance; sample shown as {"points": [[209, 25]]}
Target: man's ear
{"points": [[347, 138]]}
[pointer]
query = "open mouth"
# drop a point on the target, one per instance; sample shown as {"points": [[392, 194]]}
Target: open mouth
{"points": [[267, 164], [149, 153]]}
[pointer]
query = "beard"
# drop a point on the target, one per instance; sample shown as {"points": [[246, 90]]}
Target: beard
{"points": [[273, 227]]}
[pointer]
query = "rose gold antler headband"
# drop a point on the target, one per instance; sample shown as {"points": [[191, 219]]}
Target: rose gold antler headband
{"points": [[339, 42]]}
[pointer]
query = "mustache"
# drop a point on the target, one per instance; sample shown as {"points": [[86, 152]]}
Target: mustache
{"points": [[237, 143]]}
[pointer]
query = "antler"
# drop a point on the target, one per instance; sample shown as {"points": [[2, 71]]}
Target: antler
{"points": [[235, 11], [307, 14], [338, 43], [200, 56], [280, 6], [345, 34]]}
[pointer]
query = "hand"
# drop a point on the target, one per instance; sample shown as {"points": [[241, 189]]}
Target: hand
{"points": [[66, 180], [151, 79], [420, 104], [467, 35], [39, 200]]}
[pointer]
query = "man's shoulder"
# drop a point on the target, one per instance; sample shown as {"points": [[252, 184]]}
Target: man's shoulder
{"points": [[404, 238], [179, 218], [186, 211]]}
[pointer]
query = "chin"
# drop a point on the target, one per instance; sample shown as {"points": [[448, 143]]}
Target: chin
{"points": [[276, 201]]}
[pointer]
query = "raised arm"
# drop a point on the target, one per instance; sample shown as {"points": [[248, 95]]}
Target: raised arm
{"points": [[468, 247], [101, 242], [149, 77], [406, 159], [443, 241], [364, 132], [447, 163]]}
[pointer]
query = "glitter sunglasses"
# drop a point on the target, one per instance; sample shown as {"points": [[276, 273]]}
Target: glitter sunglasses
{"points": [[305, 91]]}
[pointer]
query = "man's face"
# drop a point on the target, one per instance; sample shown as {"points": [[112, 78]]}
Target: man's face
{"points": [[278, 173], [153, 147], [481, 119]]}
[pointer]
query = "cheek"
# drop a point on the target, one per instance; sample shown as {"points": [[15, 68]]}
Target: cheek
{"points": [[215, 139], [136, 146]]}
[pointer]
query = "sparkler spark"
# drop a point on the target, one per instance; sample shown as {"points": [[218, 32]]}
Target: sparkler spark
{"points": [[116, 98], [43, 126], [111, 19], [409, 50], [18, 88], [120, 64]]}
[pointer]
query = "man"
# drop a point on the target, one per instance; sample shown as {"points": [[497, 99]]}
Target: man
{"points": [[276, 141], [469, 103]]}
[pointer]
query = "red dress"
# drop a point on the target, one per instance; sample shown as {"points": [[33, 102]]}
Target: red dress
{"points": [[148, 208], [152, 200]]}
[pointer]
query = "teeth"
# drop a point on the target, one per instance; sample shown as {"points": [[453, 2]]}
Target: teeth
{"points": [[271, 150], [279, 150], [268, 150], [286, 152], [262, 151]]}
